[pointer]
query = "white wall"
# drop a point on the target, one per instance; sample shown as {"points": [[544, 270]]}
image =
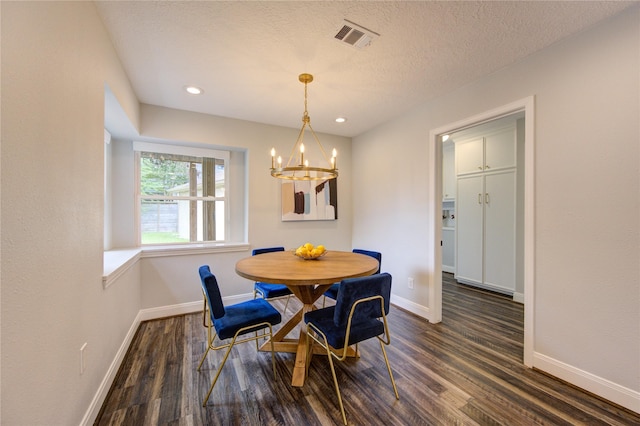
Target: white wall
{"points": [[56, 62], [265, 225], [171, 280], [587, 238], [56, 58]]}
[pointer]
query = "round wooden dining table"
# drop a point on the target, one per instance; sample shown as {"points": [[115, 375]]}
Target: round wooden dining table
{"points": [[307, 280]]}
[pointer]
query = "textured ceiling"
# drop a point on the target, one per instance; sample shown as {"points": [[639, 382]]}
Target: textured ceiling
{"points": [[247, 55]]}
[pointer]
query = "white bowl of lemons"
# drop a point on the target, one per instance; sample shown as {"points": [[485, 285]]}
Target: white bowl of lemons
{"points": [[309, 252]]}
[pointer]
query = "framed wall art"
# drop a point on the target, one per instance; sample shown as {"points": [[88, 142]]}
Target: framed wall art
{"points": [[309, 200]]}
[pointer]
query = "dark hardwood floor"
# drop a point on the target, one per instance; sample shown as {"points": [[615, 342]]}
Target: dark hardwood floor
{"points": [[466, 370]]}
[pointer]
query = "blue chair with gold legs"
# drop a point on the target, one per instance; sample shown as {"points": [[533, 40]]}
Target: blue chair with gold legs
{"points": [[360, 313], [230, 322], [332, 292], [271, 291]]}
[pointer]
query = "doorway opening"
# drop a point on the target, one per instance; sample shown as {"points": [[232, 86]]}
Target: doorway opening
{"points": [[526, 108]]}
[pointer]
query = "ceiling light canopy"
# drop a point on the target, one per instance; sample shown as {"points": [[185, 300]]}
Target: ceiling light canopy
{"points": [[193, 90], [302, 171]]}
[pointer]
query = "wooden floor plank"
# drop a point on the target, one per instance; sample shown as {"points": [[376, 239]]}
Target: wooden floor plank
{"points": [[466, 370]]}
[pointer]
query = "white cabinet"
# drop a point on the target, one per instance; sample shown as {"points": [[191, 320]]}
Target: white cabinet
{"points": [[486, 211], [494, 151], [500, 230], [469, 227], [470, 156], [500, 149]]}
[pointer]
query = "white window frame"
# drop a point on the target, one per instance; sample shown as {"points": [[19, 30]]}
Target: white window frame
{"points": [[139, 147]]}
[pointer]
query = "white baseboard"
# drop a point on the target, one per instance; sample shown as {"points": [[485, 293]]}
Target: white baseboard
{"points": [[103, 390], [450, 269], [170, 311], [604, 388], [518, 297], [143, 315], [421, 311], [186, 308]]}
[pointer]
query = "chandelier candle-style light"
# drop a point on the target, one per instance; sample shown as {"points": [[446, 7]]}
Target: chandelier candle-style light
{"points": [[302, 171]]}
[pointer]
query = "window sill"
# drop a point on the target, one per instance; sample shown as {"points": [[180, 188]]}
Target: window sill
{"points": [[117, 262], [189, 249]]}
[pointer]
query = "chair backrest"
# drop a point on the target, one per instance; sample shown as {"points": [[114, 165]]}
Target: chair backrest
{"points": [[353, 289], [375, 254], [211, 292], [266, 250]]}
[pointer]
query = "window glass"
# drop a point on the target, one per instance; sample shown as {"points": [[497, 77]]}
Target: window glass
{"points": [[182, 198]]}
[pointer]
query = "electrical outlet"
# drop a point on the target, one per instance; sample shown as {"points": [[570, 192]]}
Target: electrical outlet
{"points": [[83, 361], [410, 283]]}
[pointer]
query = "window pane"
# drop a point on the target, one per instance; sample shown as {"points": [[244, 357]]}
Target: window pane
{"points": [[181, 221], [160, 175], [159, 222], [220, 184], [220, 220], [170, 220]]}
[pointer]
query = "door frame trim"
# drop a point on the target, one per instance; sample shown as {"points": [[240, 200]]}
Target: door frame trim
{"points": [[434, 228]]}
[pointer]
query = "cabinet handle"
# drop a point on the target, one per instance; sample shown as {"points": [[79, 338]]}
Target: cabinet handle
{"points": [[479, 198], [479, 167], [487, 167], [486, 198]]}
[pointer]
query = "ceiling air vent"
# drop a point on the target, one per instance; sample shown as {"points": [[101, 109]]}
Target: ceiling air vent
{"points": [[355, 35]]}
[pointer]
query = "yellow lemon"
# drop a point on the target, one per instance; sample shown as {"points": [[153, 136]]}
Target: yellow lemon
{"points": [[308, 246], [320, 248]]}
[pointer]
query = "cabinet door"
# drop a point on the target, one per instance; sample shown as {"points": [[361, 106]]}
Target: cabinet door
{"points": [[500, 230], [469, 204], [448, 172], [500, 149], [469, 156]]}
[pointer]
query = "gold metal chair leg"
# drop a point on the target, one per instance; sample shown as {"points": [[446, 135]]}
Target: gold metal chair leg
{"points": [[204, 404], [209, 344], [335, 381], [204, 356], [393, 382]]}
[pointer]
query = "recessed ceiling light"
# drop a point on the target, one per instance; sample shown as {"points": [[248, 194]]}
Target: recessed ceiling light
{"points": [[194, 90], [445, 138], [340, 120]]}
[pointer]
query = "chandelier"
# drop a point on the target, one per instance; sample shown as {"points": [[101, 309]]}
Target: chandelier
{"points": [[297, 168]]}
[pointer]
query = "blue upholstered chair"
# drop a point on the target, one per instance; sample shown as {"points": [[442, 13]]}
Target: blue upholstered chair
{"points": [[360, 313], [271, 291], [233, 321], [332, 292]]}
